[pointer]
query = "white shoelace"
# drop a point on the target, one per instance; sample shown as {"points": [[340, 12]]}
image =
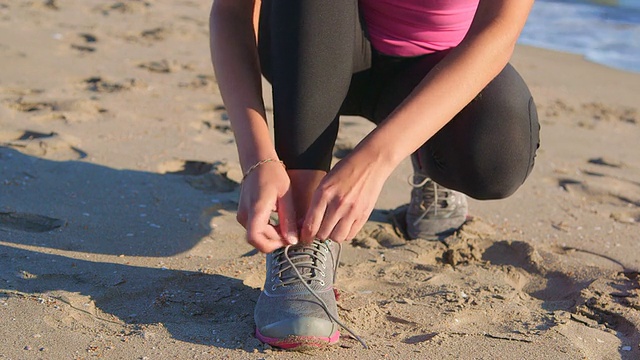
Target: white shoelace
{"points": [[434, 201]]}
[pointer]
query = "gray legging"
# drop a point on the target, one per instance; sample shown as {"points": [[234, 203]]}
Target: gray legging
{"points": [[317, 57]]}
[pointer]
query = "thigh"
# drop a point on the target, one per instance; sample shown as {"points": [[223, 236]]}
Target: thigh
{"points": [[309, 50], [361, 50]]}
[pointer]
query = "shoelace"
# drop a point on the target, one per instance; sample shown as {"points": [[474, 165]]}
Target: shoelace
{"points": [[304, 281], [307, 258], [434, 201]]}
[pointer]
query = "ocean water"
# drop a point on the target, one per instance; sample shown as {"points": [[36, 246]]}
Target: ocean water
{"points": [[603, 31]]}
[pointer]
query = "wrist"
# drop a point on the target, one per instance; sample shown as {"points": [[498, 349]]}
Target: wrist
{"points": [[380, 155], [249, 158], [374, 156], [253, 141], [260, 163]]}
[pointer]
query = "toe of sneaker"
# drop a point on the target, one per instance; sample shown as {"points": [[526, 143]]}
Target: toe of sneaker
{"points": [[290, 333]]}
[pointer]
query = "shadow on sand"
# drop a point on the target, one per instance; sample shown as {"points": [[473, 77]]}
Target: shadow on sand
{"points": [[96, 212], [79, 206]]}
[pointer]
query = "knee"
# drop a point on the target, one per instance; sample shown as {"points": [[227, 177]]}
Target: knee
{"points": [[481, 176], [495, 191], [496, 179]]}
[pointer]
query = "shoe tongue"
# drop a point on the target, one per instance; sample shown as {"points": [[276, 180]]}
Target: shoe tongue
{"points": [[304, 258], [432, 195]]}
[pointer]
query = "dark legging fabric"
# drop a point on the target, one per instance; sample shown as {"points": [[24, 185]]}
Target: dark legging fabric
{"points": [[316, 56]]}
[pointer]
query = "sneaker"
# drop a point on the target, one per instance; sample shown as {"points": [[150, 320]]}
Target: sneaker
{"points": [[288, 315], [434, 211]]}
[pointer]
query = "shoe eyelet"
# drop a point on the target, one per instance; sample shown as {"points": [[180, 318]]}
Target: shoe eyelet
{"points": [[323, 274], [273, 288], [273, 279], [322, 283]]}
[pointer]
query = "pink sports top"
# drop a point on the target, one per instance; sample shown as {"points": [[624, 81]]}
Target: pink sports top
{"points": [[417, 27]]}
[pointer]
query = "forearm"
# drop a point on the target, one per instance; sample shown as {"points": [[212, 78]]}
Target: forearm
{"points": [[449, 87], [235, 60]]}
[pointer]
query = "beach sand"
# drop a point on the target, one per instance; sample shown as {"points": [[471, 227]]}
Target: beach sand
{"points": [[118, 188]]}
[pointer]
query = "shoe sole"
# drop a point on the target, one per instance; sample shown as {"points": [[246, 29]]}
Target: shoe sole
{"points": [[294, 342]]}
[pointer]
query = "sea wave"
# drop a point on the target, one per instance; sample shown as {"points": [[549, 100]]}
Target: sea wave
{"points": [[604, 31]]}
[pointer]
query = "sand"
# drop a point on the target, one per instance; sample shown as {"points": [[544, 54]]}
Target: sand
{"points": [[118, 182]]}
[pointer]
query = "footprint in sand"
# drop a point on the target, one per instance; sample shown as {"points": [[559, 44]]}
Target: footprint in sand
{"points": [[29, 106], [66, 110], [201, 81], [606, 162], [556, 108], [218, 110], [87, 43], [163, 66], [603, 112], [626, 217], [216, 177], [548, 290], [88, 38], [594, 111], [613, 301], [20, 91], [149, 36], [377, 236], [124, 7], [45, 145], [83, 48], [44, 4], [556, 279], [100, 85], [625, 191], [597, 290], [28, 222], [602, 185], [51, 4], [155, 34], [602, 189], [223, 126]]}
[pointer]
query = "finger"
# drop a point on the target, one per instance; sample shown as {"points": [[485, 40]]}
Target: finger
{"points": [[341, 230], [338, 210], [287, 217], [356, 227], [260, 233], [312, 220], [266, 240], [332, 216]]}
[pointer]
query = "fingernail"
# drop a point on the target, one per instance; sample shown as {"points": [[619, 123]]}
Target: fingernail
{"points": [[292, 239]]}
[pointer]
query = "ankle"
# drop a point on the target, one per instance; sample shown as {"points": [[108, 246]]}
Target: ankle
{"points": [[303, 184]]}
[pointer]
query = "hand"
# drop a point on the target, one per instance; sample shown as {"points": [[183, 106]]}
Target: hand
{"points": [[266, 189], [345, 198]]}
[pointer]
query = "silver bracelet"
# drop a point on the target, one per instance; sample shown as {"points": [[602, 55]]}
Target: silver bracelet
{"points": [[261, 162]]}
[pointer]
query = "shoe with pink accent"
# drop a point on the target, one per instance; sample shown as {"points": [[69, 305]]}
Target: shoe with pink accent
{"points": [[434, 211], [297, 307]]}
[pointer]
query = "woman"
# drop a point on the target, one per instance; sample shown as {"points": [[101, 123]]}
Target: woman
{"points": [[432, 74]]}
